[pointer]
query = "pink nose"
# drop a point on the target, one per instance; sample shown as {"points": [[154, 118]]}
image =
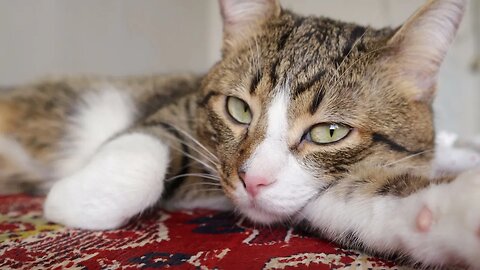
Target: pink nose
{"points": [[254, 183]]}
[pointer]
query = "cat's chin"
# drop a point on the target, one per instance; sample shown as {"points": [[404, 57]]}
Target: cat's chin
{"points": [[259, 215]]}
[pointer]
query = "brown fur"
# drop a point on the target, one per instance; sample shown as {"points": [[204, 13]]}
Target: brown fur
{"points": [[333, 72], [7, 117], [336, 68]]}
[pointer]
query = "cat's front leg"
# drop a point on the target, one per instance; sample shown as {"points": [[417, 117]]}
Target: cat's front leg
{"points": [[434, 224], [123, 178]]}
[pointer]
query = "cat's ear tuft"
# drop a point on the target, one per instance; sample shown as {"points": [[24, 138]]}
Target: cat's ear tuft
{"points": [[240, 17], [422, 42]]}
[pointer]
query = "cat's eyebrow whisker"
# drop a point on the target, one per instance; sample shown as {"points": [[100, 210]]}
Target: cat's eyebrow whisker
{"points": [[357, 61], [408, 157], [254, 50], [357, 41]]}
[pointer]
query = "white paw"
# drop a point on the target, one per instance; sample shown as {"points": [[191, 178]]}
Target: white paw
{"points": [[75, 205], [455, 160], [124, 178], [447, 223]]}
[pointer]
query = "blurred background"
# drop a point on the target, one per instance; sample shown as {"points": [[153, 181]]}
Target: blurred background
{"points": [[133, 37]]}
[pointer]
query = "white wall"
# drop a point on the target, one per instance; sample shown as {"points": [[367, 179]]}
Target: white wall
{"points": [[107, 37], [122, 37]]}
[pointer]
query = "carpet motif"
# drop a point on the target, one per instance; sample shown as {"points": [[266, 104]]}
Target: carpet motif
{"points": [[158, 239]]}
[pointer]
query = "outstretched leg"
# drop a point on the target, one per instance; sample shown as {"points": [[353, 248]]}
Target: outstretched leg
{"points": [[123, 178], [435, 222]]}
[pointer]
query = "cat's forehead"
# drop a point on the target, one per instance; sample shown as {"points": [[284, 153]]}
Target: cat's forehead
{"points": [[302, 43], [302, 51]]}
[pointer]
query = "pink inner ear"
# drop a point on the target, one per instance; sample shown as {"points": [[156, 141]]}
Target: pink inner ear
{"points": [[426, 82], [239, 15], [423, 42]]}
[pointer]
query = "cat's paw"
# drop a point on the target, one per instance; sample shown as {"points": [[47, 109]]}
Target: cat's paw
{"points": [[447, 222], [71, 204], [124, 178]]}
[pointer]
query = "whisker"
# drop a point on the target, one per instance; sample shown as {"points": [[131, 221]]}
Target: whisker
{"points": [[190, 146], [208, 189], [194, 158], [355, 62], [357, 41], [202, 184], [200, 175], [407, 157], [197, 142], [193, 148]]}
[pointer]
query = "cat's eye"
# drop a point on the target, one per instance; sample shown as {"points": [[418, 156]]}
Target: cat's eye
{"points": [[327, 133], [239, 110]]}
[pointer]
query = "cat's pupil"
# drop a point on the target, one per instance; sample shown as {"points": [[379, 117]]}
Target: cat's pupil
{"points": [[245, 108], [332, 130]]}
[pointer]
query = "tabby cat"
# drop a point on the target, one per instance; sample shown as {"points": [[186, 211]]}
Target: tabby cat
{"points": [[304, 120]]}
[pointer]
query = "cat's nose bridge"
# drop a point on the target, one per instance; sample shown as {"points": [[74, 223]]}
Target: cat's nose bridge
{"points": [[264, 166]]}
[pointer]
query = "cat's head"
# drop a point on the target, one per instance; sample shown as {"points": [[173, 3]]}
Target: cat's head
{"points": [[298, 103]]}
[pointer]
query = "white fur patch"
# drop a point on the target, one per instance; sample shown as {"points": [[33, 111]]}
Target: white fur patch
{"points": [[121, 180], [451, 159], [98, 116], [389, 223], [273, 151], [292, 186]]}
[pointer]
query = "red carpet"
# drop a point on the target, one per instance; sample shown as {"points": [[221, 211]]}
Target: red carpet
{"points": [[182, 240]]}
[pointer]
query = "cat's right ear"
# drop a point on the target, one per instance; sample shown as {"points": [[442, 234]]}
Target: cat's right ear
{"points": [[421, 44], [242, 17]]}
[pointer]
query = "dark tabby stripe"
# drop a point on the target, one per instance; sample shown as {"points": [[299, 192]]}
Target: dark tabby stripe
{"points": [[273, 72], [403, 185], [282, 41], [356, 33], [255, 81], [307, 85], [379, 138], [317, 99], [207, 98]]}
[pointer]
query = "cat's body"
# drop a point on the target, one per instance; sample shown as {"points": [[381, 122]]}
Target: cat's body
{"points": [[303, 119], [66, 120]]}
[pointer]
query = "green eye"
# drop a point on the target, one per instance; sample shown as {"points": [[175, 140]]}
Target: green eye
{"points": [[327, 133], [239, 110]]}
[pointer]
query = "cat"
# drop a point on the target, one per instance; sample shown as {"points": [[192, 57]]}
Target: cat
{"points": [[303, 120]]}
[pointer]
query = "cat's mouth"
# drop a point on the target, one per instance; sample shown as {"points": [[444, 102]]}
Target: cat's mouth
{"points": [[268, 208]]}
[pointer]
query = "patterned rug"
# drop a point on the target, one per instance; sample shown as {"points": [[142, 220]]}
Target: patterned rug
{"points": [[159, 239]]}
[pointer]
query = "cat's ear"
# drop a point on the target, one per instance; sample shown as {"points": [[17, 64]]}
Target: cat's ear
{"points": [[421, 44], [241, 17]]}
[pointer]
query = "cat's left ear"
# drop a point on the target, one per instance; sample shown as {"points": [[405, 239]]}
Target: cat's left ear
{"points": [[421, 44], [242, 17]]}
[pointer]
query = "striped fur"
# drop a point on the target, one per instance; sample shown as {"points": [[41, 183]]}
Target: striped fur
{"points": [[108, 148]]}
